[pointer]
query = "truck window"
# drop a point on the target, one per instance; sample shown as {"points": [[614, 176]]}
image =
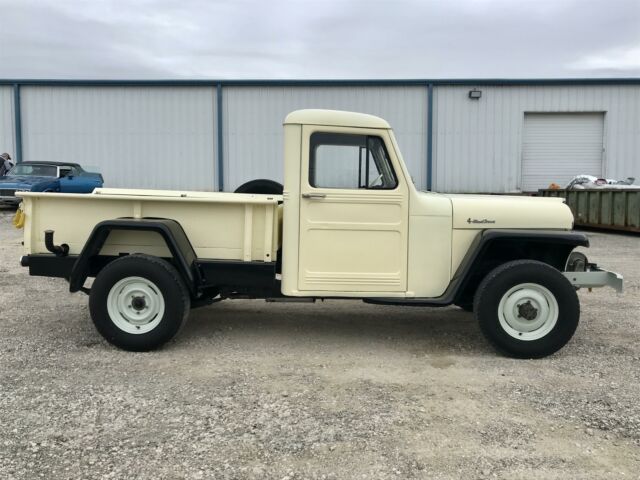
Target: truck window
{"points": [[349, 161]]}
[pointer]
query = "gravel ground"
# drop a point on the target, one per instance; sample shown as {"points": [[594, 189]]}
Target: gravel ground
{"points": [[329, 390]]}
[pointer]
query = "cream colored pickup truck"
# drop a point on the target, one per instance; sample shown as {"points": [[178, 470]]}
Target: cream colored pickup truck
{"points": [[349, 224]]}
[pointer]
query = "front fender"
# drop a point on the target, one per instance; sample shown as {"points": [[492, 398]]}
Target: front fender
{"points": [[490, 249], [52, 186], [493, 247]]}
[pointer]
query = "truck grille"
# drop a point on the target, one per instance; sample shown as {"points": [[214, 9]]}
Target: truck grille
{"points": [[7, 193]]}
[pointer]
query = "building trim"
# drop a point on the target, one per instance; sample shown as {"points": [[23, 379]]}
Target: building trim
{"points": [[329, 82], [17, 122], [219, 137], [429, 182]]}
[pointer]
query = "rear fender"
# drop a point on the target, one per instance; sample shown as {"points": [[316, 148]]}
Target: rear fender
{"points": [[182, 252]]}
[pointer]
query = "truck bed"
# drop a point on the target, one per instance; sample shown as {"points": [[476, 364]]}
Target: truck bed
{"points": [[226, 226]]}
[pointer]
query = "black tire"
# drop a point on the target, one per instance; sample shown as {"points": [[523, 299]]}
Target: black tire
{"points": [[261, 186], [499, 282], [171, 292]]}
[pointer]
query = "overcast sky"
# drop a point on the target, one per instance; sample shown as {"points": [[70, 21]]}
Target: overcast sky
{"points": [[319, 39]]}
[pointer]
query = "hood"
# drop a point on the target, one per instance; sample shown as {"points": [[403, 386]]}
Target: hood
{"points": [[24, 181], [502, 211]]}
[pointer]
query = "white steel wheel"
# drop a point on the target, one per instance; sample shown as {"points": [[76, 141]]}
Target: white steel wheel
{"points": [[528, 311], [135, 305]]}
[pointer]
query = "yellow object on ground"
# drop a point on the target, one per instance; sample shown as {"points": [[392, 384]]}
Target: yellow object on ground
{"points": [[18, 218]]}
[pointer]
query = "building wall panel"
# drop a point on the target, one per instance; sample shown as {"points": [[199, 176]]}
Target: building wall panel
{"points": [[478, 143], [144, 137], [7, 129], [253, 116], [165, 136]]}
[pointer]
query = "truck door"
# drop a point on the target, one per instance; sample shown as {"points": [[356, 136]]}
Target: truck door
{"points": [[353, 213]]}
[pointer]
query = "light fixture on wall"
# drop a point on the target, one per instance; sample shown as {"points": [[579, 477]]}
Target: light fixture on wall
{"points": [[475, 94]]}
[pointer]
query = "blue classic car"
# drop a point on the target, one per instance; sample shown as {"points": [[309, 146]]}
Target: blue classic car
{"points": [[46, 177]]}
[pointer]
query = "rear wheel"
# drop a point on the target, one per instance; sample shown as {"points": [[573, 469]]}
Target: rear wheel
{"points": [[527, 309], [139, 302]]}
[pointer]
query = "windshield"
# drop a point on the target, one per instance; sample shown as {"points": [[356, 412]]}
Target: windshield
{"points": [[34, 170]]}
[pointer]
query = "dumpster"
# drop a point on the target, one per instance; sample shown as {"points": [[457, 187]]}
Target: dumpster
{"points": [[608, 208]]}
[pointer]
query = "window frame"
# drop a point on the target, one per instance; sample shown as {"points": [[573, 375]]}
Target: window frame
{"points": [[315, 143]]}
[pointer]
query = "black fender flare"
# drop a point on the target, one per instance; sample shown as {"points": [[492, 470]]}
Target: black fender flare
{"points": [[171, 231], [560, 243]]}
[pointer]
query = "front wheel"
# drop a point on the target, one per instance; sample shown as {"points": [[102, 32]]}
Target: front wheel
{"points": [[527, 309], [138, 302]]}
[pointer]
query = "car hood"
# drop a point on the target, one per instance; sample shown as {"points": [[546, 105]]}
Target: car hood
{"points": [[24, 181], [505, 211]]}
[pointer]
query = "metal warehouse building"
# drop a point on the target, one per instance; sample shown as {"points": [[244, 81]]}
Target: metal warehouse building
{"points": [[456, 135]]}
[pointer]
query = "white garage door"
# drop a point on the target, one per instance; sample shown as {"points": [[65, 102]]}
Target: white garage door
{"points": [[558, 146]]}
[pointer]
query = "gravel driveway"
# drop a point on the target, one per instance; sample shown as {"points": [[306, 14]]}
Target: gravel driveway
{"points": [[338, 390]]}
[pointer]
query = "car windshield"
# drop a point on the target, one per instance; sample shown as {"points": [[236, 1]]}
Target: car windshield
{"points": [[34, 170]]}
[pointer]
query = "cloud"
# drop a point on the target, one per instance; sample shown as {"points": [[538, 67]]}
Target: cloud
{"points": [[615, 59], [317, 39]]}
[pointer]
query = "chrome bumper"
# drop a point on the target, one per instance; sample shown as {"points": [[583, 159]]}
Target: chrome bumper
{"points": [[594, 278], [10, 200]]}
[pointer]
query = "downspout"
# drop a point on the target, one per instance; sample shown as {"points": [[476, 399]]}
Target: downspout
{"points": [[429, 136], [219, 137], [17, 122]]}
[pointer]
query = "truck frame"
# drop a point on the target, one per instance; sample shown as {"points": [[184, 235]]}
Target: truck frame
{"points": [[349, 224]]}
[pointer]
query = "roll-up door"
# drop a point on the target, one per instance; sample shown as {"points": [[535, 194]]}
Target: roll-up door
{"points": [[558, 146]]}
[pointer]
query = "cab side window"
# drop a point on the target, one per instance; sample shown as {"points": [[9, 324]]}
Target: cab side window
{"points": [[350, 161]]}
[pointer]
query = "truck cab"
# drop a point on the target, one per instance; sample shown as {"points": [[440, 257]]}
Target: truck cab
{"points": [[356, 226], [350, 224]]}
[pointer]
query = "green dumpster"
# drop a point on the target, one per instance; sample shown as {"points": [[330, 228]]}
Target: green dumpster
{"points": [[610, 208]]}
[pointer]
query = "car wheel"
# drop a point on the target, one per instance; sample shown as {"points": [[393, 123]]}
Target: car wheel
{"points": [[527, 309], [139, 302]]}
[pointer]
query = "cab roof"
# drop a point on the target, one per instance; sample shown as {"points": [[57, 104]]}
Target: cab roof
{"points": [[337, 118]]}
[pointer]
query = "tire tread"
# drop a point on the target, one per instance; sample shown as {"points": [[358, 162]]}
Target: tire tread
{"points": [[98, 294], [546, 348]]}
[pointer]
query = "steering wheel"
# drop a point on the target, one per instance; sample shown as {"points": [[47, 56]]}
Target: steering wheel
{"points": [[374, 181]]}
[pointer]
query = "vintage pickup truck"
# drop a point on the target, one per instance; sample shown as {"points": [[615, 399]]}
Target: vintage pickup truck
{"points": [[350, 224]]}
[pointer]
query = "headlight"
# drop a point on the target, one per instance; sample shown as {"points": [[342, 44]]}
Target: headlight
{"points": [[23, 189]]}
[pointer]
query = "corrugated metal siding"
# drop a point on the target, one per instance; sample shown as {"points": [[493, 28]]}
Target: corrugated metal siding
{"points": [[252, 124], [478, 143], [145, 137], [7, 131]]}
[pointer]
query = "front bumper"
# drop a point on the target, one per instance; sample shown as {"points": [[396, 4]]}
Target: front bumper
{"points": [[595, 277], [10, 200]]}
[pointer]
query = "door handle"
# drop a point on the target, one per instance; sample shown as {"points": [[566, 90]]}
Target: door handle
{"points": [[314, 195]]}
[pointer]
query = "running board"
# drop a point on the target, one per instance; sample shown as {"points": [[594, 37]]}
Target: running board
{"points": [[290, 300], [410, 302]]}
